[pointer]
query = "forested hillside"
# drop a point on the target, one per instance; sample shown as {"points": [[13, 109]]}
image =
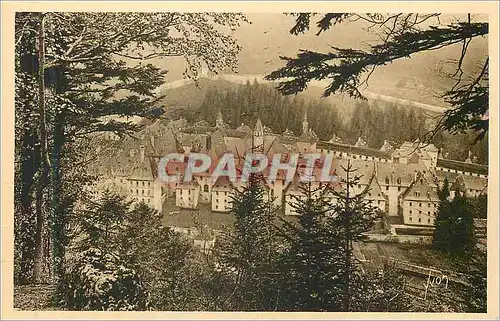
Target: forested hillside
{"points": [[375, 121]]}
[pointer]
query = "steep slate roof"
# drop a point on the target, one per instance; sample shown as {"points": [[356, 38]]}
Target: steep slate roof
{"points": [[363, 168], [223, 184], [406, 172], [186, 219], [352, 149], [462, 166], [374, 189], [471, 182], [245, 129], [187, 185], [165, 144], [427, 193], [142, 171], [218, 143], [386, 147], [199, 130]]}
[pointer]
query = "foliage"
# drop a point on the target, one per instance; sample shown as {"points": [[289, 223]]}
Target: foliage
{"points": [[101, 221], [352, 216], [165, 260], [309, 262], [100, 281], [480, 206], [454, 225], [248, 252], [245, 103], [95, 70], [401, 36]]}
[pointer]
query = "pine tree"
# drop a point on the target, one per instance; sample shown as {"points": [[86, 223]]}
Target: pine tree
{"points": [[454, 228], [442, 229], [248, 252], [101, 223], [353, 215], [308, 263]]}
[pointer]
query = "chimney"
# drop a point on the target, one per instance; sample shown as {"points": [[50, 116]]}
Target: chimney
{"points": [[142, 153], [153, 141]]}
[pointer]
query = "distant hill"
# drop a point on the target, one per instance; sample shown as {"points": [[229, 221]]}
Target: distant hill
{"points": [[185, 95], [419, 78]]}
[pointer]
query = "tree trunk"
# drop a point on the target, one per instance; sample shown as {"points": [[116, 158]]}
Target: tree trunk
{"points": [[40, 220], [45, 162]]}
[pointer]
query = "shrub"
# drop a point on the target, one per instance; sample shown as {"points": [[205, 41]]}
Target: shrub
{"points": [[100, 281]]}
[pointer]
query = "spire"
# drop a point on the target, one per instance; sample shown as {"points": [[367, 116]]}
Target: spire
{"points": [[259, 129], [219, 122], [305, 124], [258, 136]]}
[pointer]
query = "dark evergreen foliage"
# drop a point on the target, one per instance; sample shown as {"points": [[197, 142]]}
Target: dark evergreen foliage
{"points": [[247, 252], [454, 226]]}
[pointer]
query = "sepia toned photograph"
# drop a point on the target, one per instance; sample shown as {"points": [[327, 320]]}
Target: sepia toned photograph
{"points": [[217, 161]]}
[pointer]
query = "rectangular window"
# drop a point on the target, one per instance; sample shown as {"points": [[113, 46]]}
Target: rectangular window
{"points": [[419, 220], [411, 203], [410, 219], [387, 188], [420, 204]]}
